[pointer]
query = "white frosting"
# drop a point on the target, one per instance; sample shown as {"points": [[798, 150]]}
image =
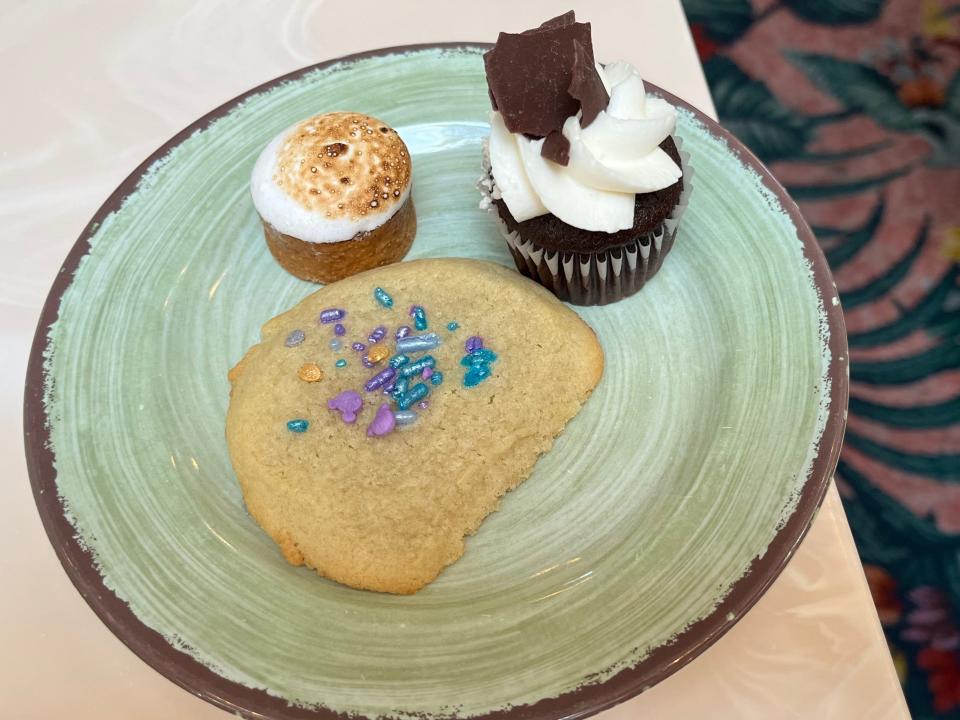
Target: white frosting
{"points": [[291, 218], [611, 160]]}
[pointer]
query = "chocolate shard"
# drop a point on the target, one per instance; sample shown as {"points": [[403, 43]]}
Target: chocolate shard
{"points": [[556, 147], [568, 18], [586, 85], [529, 75]]}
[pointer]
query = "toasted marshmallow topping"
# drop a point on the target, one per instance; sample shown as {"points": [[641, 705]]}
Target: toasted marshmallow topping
{"points": [[332, 176]]}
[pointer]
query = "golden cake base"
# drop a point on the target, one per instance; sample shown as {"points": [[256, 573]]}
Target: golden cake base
{"points": [[328, 262]]}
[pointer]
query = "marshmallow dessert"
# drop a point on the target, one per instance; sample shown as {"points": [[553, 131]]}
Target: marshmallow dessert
{"points": [[333, 193], [580, 169]]}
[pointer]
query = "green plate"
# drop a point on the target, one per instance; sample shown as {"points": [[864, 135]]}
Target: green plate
{"points": [[665, 510]]}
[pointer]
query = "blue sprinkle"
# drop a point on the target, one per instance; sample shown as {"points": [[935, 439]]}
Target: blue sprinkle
{"points": [[399, 360], [405, 417], [297, 426], [383, 297], [452, 325], [400, 386], [417, 392], [476, 375], [419, 318], [335, 344], [485, 354], [295, 338], [477, 359], [436, 378], [418, 343], [415, 368], [341, 363]]}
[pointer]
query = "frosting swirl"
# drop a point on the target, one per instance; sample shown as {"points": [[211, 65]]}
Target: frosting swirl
{"points": [[611, 160]]}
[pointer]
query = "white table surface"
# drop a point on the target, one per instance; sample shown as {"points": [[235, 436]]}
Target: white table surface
{"points": [[90, 89]]}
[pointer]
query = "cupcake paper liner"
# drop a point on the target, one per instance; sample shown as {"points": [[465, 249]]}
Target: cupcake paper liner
{"points": [[594, 278]]}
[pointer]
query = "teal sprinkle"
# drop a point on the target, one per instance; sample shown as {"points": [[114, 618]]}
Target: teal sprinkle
{"points": [[383, 297], [417, 392], [341, 363], [476, 375], [485, 354], [419, 318], [400, 386], [399, 360], [436, 378], [298, 426], [417, 367], [452, 325]]}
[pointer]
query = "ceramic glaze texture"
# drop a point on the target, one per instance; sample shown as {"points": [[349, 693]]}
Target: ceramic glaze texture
{"points": [[674, 476]]}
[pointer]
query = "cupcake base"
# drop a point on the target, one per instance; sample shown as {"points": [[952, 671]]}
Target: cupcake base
{"points": [[593, 277], [597, 278], [328, 262]]}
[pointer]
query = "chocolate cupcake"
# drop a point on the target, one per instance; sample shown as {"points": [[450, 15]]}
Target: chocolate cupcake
{"points": [[581, 168]]}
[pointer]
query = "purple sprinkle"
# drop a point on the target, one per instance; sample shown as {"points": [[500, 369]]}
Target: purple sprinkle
{"points": [[378, 334], [366, 362], [423, 405], [331, 315], [339, 329], [413, 310], [473, 344], [383, 423], [403, 331], [348, 404], [295, 338], [380, 379], [359, 346], [427, 372], [389, 387]]}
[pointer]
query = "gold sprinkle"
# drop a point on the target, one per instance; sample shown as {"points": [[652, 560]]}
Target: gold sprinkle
{"points": [[310, 372], [378, 353]]}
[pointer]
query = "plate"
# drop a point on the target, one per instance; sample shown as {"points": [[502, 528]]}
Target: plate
{"points": [[664, 511]]}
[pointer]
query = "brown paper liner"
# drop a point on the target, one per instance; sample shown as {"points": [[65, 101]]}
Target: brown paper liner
{"points": [[328, 262], [601, 277]]}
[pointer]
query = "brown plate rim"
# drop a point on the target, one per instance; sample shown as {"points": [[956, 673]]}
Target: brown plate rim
{"points": [[586, 700]]}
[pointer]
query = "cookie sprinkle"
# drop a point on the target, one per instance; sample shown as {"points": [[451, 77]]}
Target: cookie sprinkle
{"points": [[295, 338], [380, 379], [298, 426], [453, 325], [310, 372], [383, 423], [331, 315], [419, 317], [377, 335], [383, 297], [418, 343], [341, 363]]}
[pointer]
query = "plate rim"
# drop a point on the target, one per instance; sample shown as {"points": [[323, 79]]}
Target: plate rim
{"points": [[199, 680]]}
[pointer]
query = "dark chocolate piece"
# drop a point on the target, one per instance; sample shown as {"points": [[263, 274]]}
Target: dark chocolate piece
{"points": [[529, 76], [556, 147], [586, 85], [551, 233], [568, 18]]}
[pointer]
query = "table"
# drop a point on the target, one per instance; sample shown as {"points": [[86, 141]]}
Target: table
{"points": [[92, 88]]}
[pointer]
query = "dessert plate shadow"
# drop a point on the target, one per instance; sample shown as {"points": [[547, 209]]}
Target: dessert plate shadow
{"points": [[663, 513]]}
